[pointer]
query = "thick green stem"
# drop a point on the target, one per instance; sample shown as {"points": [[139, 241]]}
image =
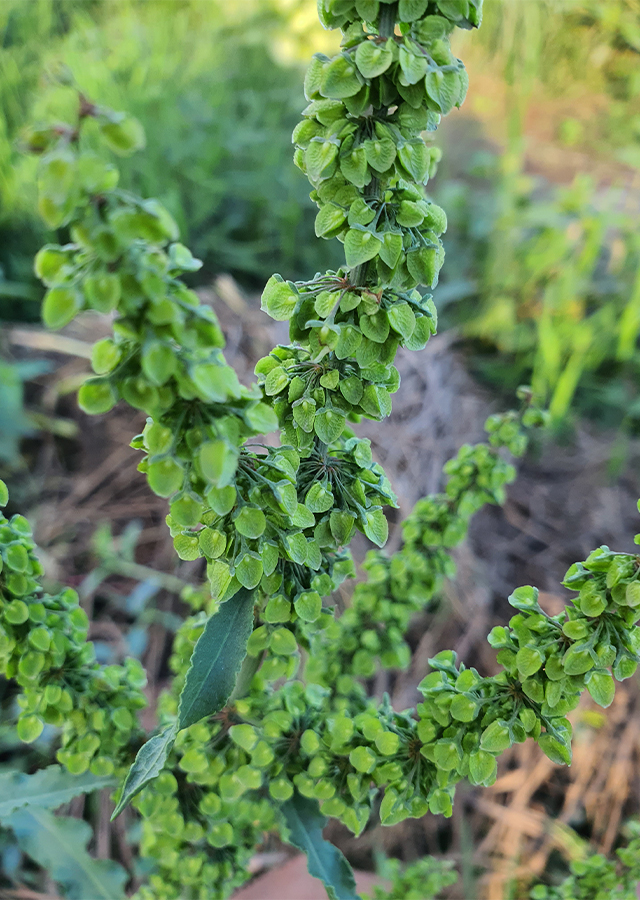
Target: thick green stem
{"points": [[359, 275], [249, 667], [387, 20]]}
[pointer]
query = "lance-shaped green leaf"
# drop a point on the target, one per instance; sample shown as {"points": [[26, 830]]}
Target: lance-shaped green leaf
{"points": [[215, 664], [47, 789], [304, 823], [58, 845], [148, 764], [216, 660]]}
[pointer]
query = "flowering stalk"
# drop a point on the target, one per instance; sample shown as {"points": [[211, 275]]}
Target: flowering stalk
{"points": [[237, 757]]}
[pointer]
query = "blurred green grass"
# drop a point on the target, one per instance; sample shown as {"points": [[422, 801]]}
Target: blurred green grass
{"points": [[218, 92], [542, 268]]}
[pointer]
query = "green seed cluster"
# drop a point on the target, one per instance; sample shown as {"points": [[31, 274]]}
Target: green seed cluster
{"points": [[269, 519], [361, 148], [341, 13], [593, 878], [200, 841], [554, 658], [339, 748], [425, 878], [315, 391], [43, 646], [283, 520], [372, 628], [165, 356], [360, 142], [349, 338], [326, 740], [599, 878], [267, 745], [548, 661], [102, 731]]}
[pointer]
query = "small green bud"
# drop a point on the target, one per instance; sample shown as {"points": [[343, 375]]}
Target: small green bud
{"points": [[60, 306], [283, 642], [310, 742], [165, 477], [277, 610], [308, 605], [495, 738], [281, 789], [29, 728], [96, 396], [244, 736], [186, 511], [220, 834]]}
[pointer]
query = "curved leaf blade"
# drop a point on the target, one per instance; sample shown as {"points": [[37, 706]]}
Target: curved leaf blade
{"points": [[149, 762], [58, 845], [47, 789], [305, 823], [216, 660]]}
